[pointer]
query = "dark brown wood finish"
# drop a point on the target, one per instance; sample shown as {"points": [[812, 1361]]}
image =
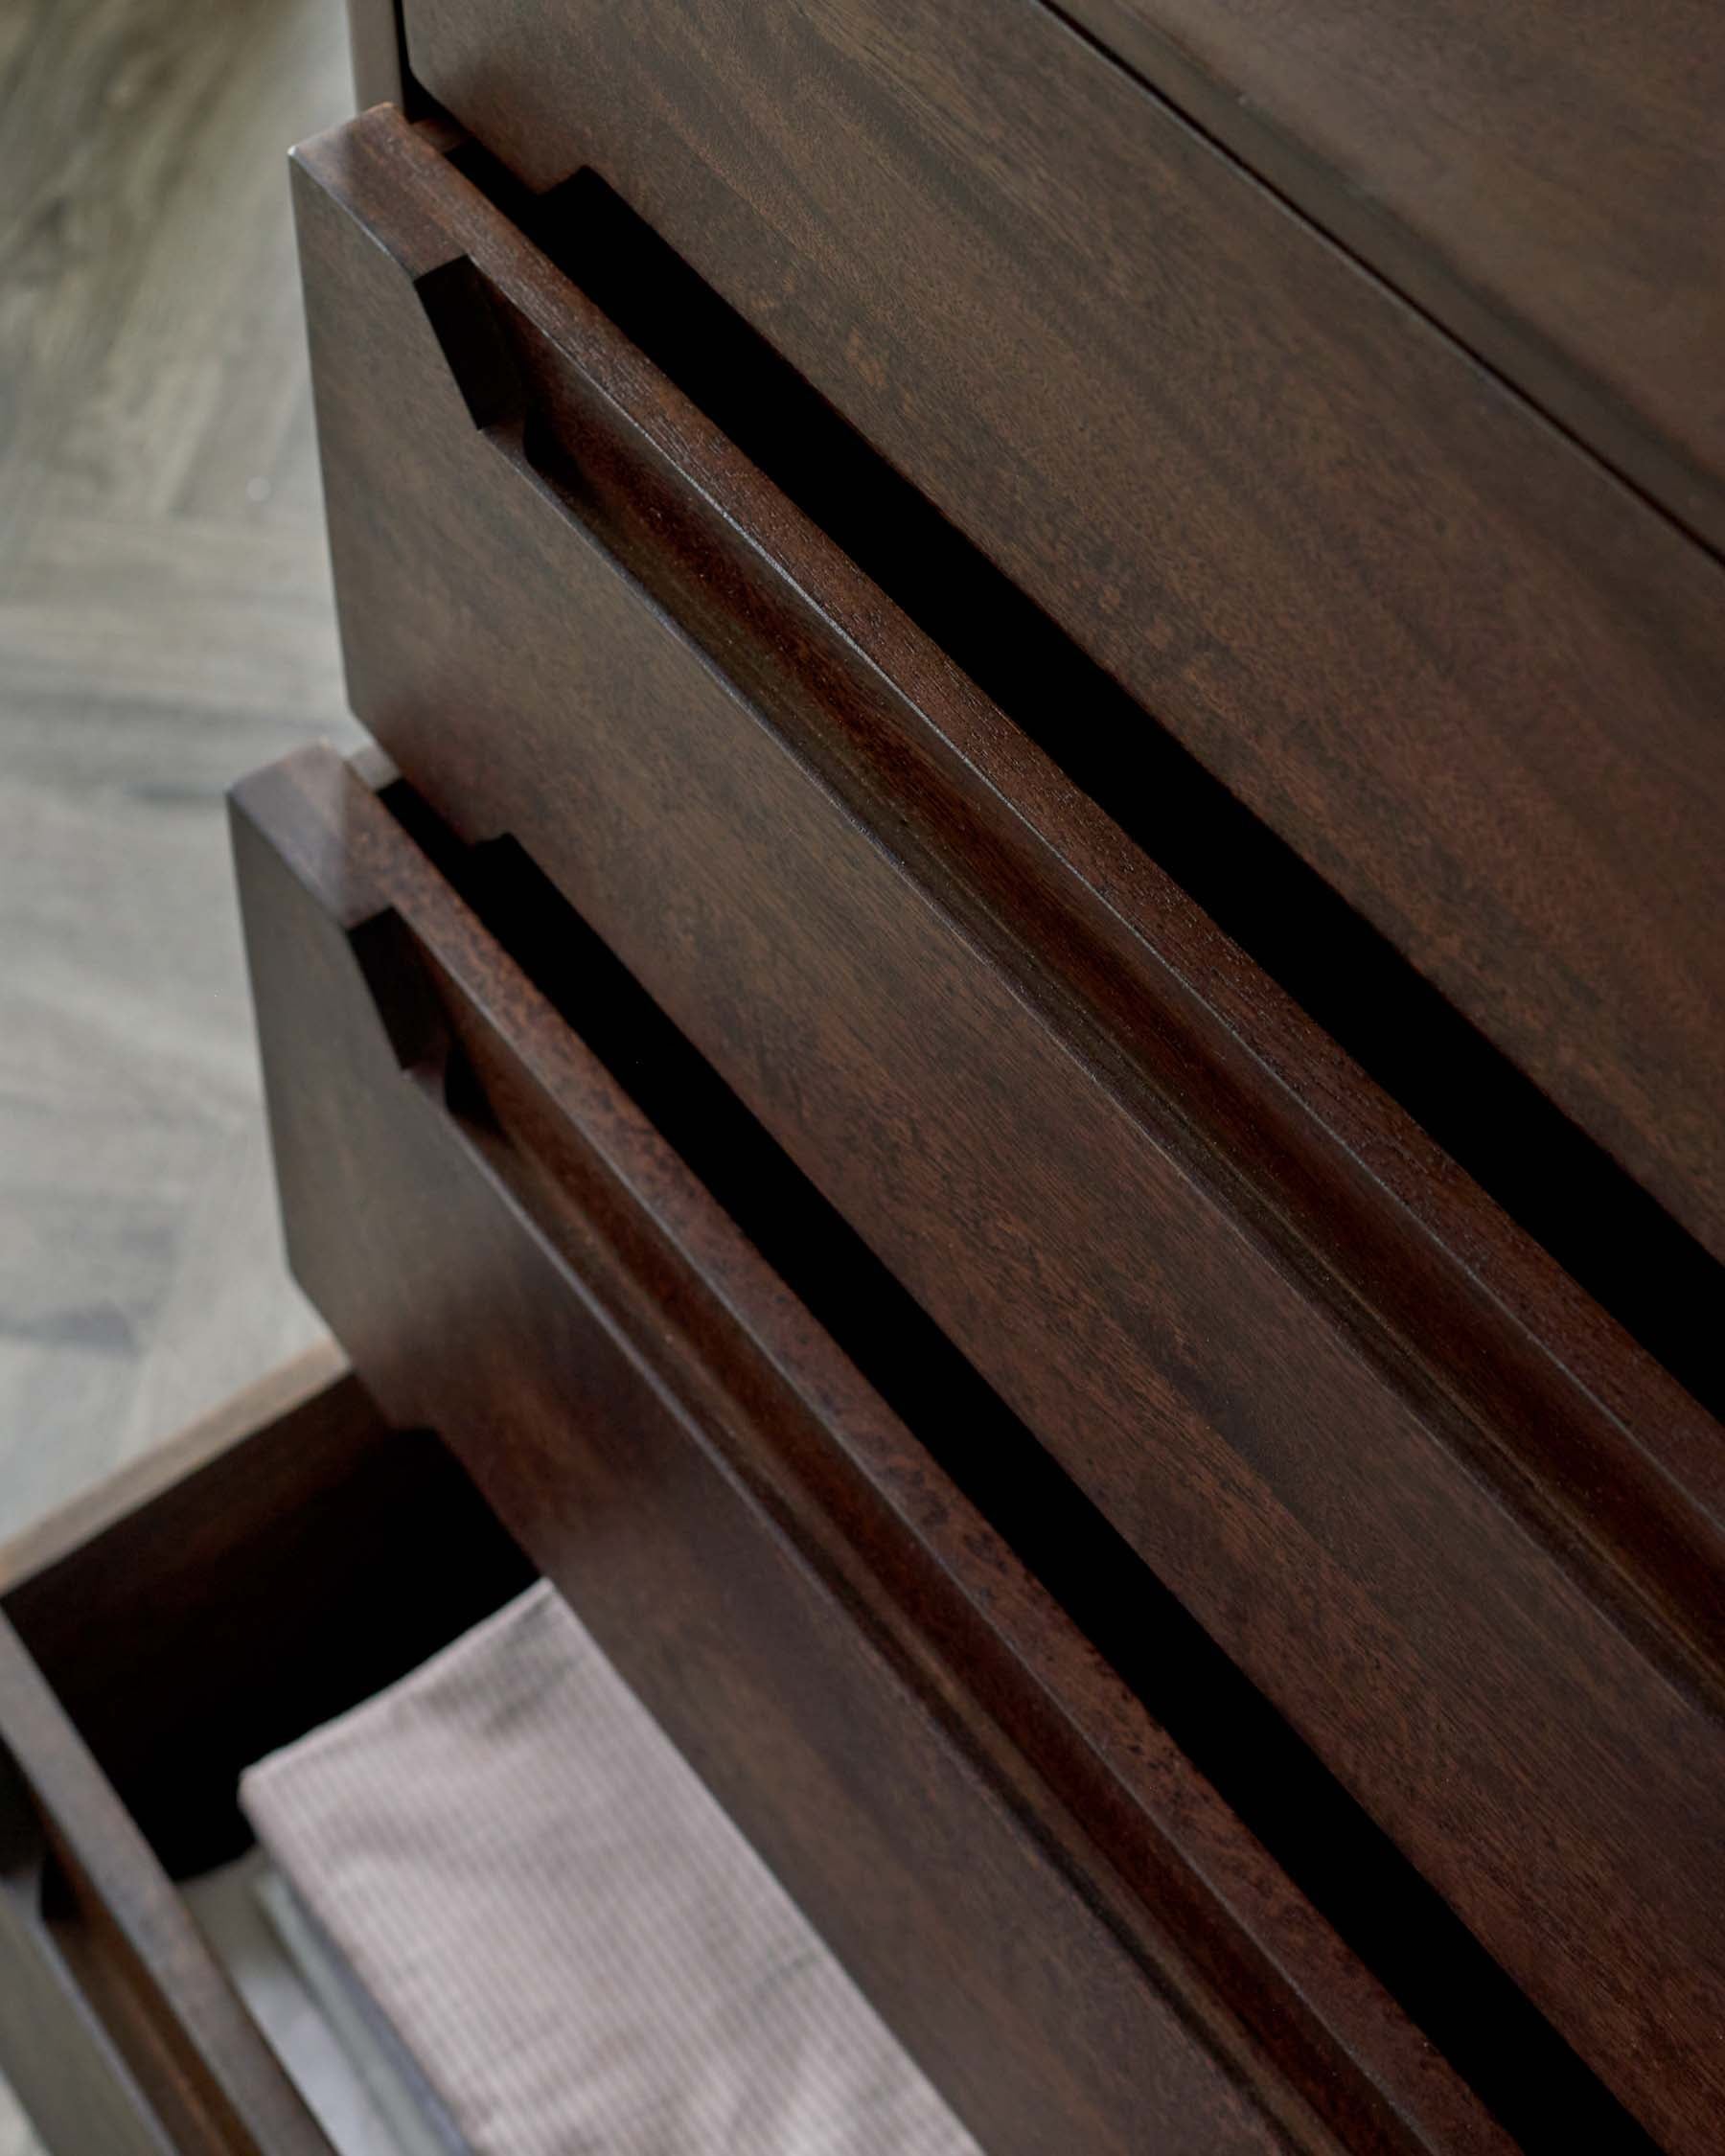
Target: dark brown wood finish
{"points": [[1437, 1506], [117, 2027], [1465, 672], [1549, 183], [1055, 1912]]}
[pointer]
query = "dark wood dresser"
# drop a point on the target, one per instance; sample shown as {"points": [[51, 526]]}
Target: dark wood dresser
{"points": [[1020, 1040]]}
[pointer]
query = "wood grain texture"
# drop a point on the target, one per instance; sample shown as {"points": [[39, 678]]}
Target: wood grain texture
{"points": [[165, 622], [1464, 671], [1548, 185], [1054, 1911], [1266, 1326], [117, 2025]]}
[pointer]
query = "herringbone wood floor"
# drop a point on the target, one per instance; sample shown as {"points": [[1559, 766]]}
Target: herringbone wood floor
{"points": [[165, 624]]}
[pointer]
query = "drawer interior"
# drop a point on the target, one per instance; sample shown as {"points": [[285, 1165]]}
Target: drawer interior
{"points": [[226, 1598], [306, 1567]]}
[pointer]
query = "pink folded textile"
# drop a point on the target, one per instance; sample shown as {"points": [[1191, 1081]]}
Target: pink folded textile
{"points": [[565, 1932]]}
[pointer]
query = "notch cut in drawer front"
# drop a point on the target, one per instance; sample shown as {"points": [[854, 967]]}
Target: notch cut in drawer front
{"points": [[1056, 1913], [1274, 1334], [1447, 654]]}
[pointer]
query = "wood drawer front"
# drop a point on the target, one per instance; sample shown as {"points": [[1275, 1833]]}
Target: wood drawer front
{"points": [[1449, 657], [1042, 1897], [1440, 1509]]}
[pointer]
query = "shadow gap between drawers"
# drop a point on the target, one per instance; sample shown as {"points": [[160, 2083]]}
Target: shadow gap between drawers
{"points": [[1613, 1238], [1345, 1865]]}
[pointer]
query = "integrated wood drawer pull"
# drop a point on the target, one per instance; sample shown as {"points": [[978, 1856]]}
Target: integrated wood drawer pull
{"points": [[1433, 1501]]}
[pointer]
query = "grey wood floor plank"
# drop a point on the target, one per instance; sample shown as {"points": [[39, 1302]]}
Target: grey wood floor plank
{"points": [[165, 625]]}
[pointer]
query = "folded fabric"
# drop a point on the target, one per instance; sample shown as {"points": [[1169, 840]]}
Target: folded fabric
{"points": [[413, 2119], [562, 1928]]}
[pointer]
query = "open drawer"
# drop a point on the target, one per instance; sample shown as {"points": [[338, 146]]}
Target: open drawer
{"points": [[1059, 1916], [1415, 1458], [208, 1604]]}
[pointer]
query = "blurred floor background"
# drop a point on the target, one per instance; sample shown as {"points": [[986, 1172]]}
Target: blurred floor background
{"points": [[165, 625]]}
